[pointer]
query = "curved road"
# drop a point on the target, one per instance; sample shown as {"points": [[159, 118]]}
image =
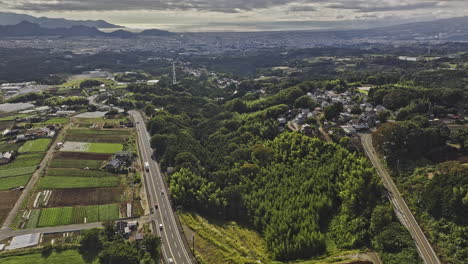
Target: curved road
{"points": [[425, 249], [172, 244]]}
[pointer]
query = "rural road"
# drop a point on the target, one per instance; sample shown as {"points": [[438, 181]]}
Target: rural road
{"points": [[172, 244], [32, 182], [425, 249]]}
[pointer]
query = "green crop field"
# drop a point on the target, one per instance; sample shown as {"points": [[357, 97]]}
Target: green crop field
{"points": [[13, 182], [33, 219], [76, 163], [17, 171], [55, 216], [38, 145], [105, 148], [25, 160], [67, 172], [75, 215], [77, 182], [55, 257]]}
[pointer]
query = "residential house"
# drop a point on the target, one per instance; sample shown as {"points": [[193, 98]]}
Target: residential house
{"points": [[6, 157]]}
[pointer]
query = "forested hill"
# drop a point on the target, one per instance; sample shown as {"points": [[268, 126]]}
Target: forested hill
{"points": [[231, 161]]}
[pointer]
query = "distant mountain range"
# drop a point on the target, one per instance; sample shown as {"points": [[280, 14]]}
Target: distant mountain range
{"points": [[28, 29], [7, 19]]}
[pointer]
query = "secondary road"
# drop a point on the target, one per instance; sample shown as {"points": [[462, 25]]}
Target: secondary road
{"points": [[425, 249], [172, 244]]}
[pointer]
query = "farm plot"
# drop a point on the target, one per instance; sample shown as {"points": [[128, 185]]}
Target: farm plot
{"points": [[74, 215], [92, 147], [5, 146], [86, 196], [77, 182], [72, 163], [18, 171], [68, 172], [25, 160], [97, 138], [13, 182], [105, 147], [38, 145], [82, 156], [7, 201]]}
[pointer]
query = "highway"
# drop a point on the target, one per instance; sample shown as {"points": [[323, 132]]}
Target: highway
{"points": [[405, 215], [172, 243]]}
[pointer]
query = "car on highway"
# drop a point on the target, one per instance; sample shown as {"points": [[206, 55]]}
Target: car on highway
{"points": [[160, 226]]}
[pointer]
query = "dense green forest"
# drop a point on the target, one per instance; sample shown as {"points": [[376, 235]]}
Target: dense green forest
{"points": [[305, 196]]}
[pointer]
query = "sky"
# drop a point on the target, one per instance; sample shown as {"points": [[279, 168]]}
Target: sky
{"points": [[243, 15]]}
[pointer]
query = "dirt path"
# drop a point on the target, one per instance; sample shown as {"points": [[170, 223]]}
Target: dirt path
{"points": [[34, 178]]}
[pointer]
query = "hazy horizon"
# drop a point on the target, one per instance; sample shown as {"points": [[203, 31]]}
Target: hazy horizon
{"points": [[242, 15]]}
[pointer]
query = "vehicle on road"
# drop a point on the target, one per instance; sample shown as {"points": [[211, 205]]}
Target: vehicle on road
{"points": [[147, 166], [162, 192], [160, 227], [156, 206], [170, 261]]}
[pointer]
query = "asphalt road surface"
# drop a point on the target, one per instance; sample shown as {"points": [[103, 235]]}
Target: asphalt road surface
{"points": [[172, 243], [425, 249]]}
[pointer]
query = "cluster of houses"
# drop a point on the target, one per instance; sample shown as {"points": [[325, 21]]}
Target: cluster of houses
{"points": [[351, 123]]}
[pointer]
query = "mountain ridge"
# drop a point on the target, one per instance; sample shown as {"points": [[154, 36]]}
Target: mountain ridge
{"points": [[10, 19]]}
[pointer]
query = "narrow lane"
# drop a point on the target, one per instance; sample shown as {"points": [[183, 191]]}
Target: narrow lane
{"points": [[425, 249]]}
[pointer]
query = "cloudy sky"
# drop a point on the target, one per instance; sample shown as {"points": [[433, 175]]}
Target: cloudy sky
{"points": [[243, 15]]}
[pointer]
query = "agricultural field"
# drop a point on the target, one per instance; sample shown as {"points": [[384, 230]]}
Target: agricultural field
{"points": [[7, 201], [37, 145], [55, 257], [73, 215], [19, 171], [86, 196], [77, 182], [75, 187], [92, 147]]}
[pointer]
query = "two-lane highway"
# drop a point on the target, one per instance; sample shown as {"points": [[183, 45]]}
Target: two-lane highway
{"points": [[173, 246], [425, 249]]}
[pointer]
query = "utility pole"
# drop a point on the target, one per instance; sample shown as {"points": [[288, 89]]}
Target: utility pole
{"points": [[174, 77]]}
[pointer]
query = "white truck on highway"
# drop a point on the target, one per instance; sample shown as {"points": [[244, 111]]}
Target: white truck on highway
{"points": [[147, 166]]}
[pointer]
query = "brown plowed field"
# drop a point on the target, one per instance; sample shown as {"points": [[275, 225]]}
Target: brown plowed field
{"points": [[97, 138], [87, 196], [7, 201], [81, 156]]}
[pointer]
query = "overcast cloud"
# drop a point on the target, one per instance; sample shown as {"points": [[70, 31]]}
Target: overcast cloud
{"points": [[226, 14]]}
